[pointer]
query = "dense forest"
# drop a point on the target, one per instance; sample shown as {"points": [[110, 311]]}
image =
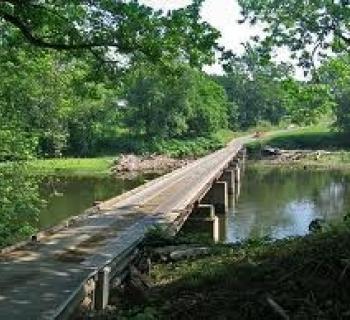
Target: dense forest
{"points": [[107, 77]]}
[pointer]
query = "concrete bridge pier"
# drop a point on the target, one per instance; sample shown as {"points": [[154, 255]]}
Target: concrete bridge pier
{"points": [[204, 219], [229, 177], [237, 191], [235, 166], [237, 170], [242, 156], [218, 196]]}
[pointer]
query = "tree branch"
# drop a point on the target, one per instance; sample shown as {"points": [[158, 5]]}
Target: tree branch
{"points": [[34, 40]]}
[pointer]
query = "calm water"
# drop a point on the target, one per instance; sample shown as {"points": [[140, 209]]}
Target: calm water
{"points": [[69, 196], [273, 202], [279, 202]]}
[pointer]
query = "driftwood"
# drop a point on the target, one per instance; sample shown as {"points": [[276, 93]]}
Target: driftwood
{"points": [[183, 252], [132, 163]]}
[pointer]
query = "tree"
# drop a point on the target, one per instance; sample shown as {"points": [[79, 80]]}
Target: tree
{"points": [[343, 111], [254, 86], [174, 102], [307, 103], [110, 30], [308, 28], [335, 74], [19, 202]]}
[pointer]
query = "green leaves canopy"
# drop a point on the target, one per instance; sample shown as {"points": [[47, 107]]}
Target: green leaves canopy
{"points": [[109, 29], [175, 101], [307, 27]]}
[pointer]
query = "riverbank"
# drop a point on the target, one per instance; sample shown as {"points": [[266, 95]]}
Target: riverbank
{"points": [[312, 147], [312, 138], [307, 159], [152, 155], [300, 278]]}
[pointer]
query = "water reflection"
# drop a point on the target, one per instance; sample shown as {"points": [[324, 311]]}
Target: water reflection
{"points": [[68, 196], [273, 201], [280, 202]]}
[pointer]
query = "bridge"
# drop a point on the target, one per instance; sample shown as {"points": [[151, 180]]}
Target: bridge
{"points": [[49, 278]]}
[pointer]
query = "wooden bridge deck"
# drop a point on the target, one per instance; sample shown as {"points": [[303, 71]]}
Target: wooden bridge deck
{"points": [[43, 280]]}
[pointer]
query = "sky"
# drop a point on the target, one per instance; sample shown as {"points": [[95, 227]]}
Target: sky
{"points": [[223, 15]]}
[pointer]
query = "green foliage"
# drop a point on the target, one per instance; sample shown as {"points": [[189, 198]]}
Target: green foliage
{"points": [[335, 74], [309, 28], [312, 30], [183, 103], [306, 138], [15, 144], [190, 147], [261, 91], [308, 103], [343, 111], [19, 203], [158, 236], [127, 28]]}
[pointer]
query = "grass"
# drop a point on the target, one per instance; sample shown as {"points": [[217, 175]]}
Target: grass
{"points": [[71, 166], [301, 278], [314, 138]]}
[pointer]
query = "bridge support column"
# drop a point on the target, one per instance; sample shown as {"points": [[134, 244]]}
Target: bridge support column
{"points": [[204, 218], [242, 155], [218, 196], [229, 177], [236, 166], [237, 171], [102, 289]]}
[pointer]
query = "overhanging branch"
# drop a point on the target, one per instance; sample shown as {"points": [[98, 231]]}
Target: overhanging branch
{"points": [[34, 40]]}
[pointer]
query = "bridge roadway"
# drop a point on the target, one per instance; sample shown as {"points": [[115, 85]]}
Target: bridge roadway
{"points": [[43, 280]]}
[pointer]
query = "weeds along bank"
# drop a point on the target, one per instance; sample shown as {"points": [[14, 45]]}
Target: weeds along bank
{"points": [[299, 278]]}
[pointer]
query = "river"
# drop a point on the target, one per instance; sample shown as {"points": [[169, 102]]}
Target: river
{"points": [[281, 202], [274, 202]]}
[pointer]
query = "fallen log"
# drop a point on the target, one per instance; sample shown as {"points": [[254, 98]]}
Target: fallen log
{"points": [[176, 253]]}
